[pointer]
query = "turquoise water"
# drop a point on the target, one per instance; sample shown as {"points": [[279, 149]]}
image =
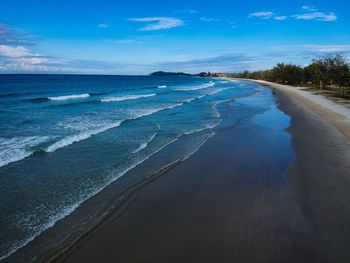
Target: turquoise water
{"points": [[65, 138]]}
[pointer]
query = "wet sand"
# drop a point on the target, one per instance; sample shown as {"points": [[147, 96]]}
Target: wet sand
{"points": [[231, 202]]}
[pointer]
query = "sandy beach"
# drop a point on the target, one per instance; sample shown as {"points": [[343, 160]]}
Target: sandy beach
{"points": [[230, 202], [338, 115]]}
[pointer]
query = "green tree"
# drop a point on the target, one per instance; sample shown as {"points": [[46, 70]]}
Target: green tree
{"points": [[331, 69]]}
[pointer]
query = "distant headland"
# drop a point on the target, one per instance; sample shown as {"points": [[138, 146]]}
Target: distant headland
{"points": [[164, 73]]}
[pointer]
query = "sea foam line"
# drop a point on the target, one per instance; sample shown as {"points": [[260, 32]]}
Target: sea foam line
{"points": [[17, 148], [80, 137], [69, 97], [200, 145], [127, 97], [145, 144], [203, 128], [87, 134], [199, 87]]}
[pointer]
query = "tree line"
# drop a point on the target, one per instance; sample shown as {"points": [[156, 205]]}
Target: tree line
{"points": [[331, 72]]}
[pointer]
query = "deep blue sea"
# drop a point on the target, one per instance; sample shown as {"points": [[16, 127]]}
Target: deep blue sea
{"points": [[64, 138]]}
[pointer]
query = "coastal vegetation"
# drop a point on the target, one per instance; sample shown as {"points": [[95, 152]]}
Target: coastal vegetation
{"points": [[329, 74]]}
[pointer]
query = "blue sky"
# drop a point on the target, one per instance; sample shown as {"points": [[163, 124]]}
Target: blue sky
{"points": [[138, 37]]}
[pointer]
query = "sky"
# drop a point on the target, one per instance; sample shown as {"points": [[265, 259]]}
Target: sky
{"points": [[139, 37]]}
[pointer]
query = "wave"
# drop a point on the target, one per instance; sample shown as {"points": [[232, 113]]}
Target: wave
{"points": [[139, 113], [203, 128], [18, 148], [145, 144], [87, 134], [80, 137], [218, 91], [199, 87], [205, 95], [69, 97], [195, 98], [61, 98], [161, 86], [127, 97]]}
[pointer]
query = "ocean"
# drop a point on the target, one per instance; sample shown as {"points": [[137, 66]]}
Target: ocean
{"points": [[64, 138]]}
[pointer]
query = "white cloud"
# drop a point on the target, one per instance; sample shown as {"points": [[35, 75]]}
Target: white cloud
{"points": [[14, 52], [102, 25], [21, 59], [319, 16], [32, 60], [280, 18], [210, 19], [159, 23], [311, 8], [267, 15], [262, 14]]}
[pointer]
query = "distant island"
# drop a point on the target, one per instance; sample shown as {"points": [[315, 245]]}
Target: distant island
{"points": [[164, 73]]}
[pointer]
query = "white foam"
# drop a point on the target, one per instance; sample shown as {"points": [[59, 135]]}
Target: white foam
{"points": [[208, 94], [199, 146], [199, 87], [127, 97], [203, 127], [17, 148], [218, 91], [69, 97], [145, 144], [161, 86], [81, 136], [139, 113], [195, 98], [88, 131]]}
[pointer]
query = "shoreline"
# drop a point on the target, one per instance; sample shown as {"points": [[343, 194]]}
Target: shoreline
{"points": [[315, 222], [336, 114]]}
